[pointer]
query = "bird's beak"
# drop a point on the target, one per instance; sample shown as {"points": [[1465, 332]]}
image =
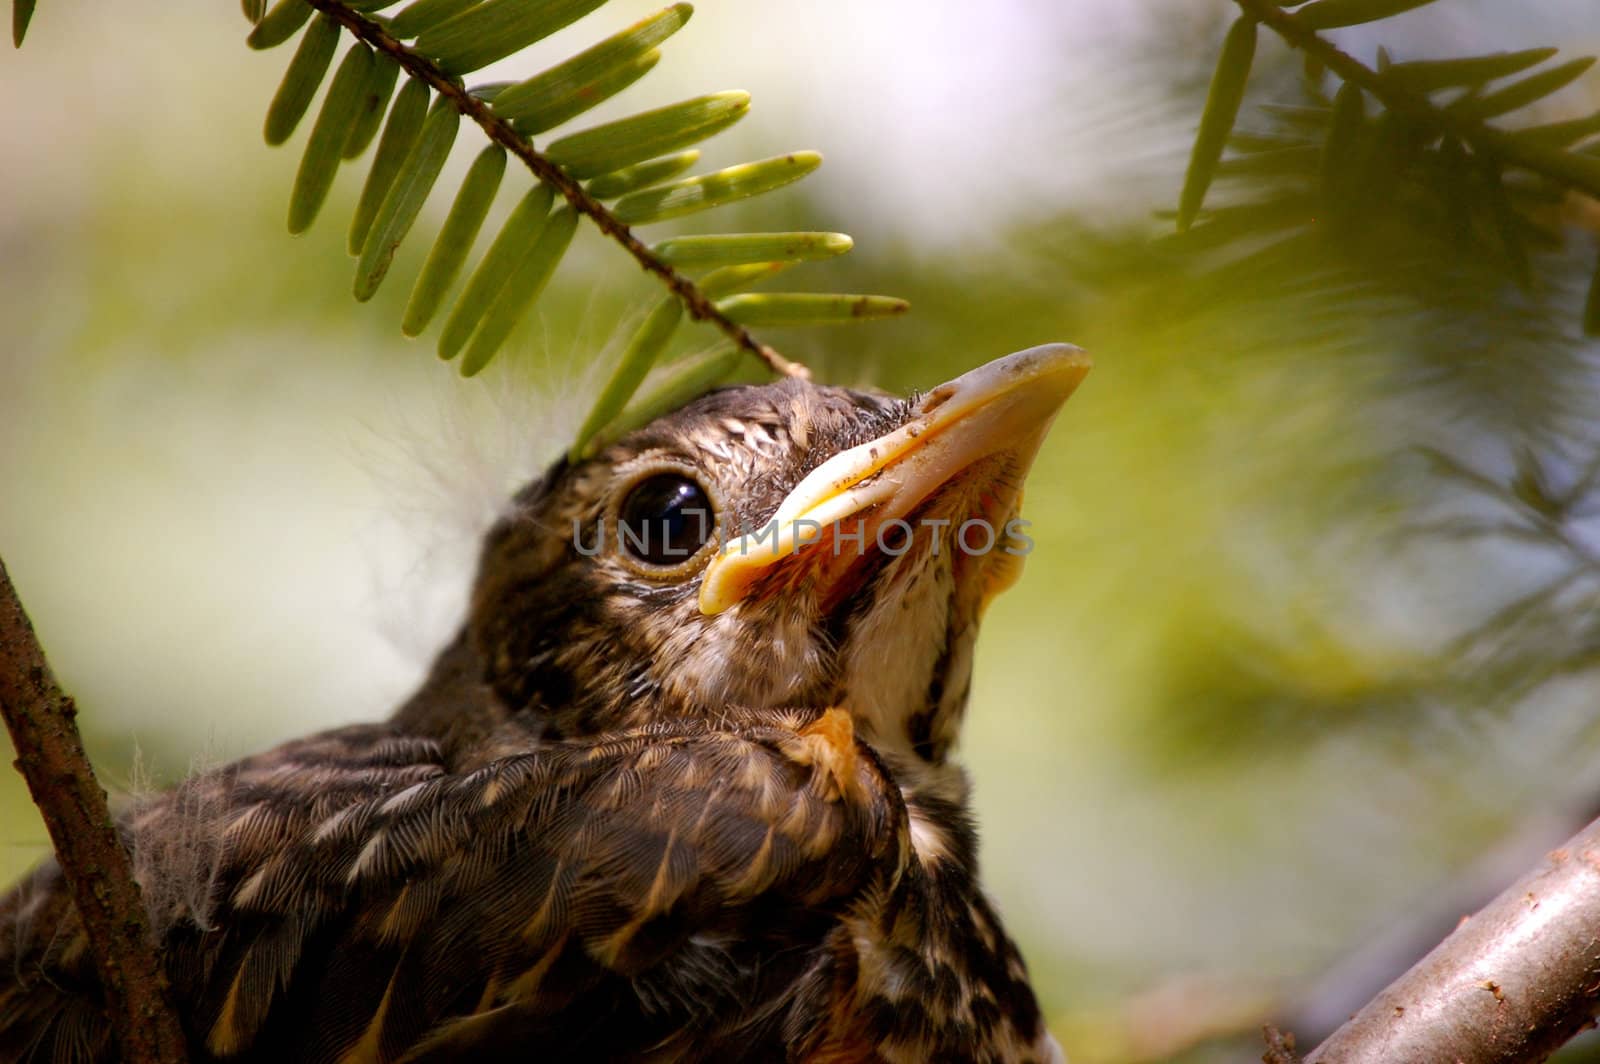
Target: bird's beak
{"points": [[1002, 408]]}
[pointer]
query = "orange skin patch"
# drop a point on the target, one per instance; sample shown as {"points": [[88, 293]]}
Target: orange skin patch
{"points": [[828, 745]]}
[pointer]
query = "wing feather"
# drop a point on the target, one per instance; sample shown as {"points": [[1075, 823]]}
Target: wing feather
{"points": [[358, 901]]}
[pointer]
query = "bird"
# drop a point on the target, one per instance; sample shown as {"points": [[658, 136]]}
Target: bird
{"points": [[683, 786]]}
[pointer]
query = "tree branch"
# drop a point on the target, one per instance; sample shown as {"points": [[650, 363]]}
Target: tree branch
{"points": [[1499, 144], [50, 756], [502, 133], [1510, 984]]}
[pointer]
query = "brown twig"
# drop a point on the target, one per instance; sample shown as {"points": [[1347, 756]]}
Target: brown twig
{"points": [[1510, 984], [50, 756], [502, 133]]}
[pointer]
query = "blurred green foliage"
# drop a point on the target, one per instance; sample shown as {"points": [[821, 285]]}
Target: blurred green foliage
{"points": [[1306, 638]]}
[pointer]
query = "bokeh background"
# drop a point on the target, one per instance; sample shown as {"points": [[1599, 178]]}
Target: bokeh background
{"points": [[1302, 666]]}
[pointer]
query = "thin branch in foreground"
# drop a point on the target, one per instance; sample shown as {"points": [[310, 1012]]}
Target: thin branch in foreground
{"points": [[50, 756], [1510, 984], [501, 132]]}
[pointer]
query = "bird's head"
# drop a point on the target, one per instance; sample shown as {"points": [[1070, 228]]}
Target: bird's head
{"points": [[782, 545]]}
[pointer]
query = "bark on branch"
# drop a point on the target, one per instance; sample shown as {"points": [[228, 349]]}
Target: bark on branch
{"points": [[50, 756], [1511, 983]]}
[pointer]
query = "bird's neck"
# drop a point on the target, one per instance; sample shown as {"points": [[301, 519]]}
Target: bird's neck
{"points": [[476, 714], [455, 704], [458, 706]]}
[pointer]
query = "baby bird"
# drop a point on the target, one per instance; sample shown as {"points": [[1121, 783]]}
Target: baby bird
{"points": [[680, 789]]}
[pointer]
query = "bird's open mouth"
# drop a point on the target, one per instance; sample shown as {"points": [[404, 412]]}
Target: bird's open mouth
{"points": [[999, 410]]}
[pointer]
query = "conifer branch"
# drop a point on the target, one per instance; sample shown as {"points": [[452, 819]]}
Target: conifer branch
{"points": [[1562, 168], [501, 132]]}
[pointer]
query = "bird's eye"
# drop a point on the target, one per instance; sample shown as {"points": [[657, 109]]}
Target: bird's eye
{"points": [[665, 519]]}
